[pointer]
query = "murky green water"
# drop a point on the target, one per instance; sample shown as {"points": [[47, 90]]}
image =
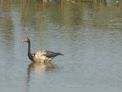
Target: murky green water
{"points": [[89, 34]]}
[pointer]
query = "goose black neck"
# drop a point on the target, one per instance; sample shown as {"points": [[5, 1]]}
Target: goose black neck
{"points": [[29, 51]]}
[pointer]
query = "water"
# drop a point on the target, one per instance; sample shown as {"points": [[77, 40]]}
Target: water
{"points": [[89, 34]]}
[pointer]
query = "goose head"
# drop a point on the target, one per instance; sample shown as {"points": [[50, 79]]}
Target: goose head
{"points": [[27, 40]]}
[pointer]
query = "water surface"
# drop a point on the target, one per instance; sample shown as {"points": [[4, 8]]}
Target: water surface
{"points": [[89, 34]]}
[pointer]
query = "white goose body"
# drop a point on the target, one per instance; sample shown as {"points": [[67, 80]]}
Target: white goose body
{"points": [[42, 56]]}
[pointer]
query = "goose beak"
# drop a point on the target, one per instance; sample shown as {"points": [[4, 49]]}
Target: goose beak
{"points": [[24, 40]]}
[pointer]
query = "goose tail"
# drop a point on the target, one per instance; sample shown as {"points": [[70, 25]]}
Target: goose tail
{"points": [[60, 54]]}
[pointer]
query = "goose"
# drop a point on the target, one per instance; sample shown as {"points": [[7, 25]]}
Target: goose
{"points": [[41, 56]]}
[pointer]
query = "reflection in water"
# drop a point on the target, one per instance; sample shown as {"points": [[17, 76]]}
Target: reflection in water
{"points": [[36, 14], [37, 69]]}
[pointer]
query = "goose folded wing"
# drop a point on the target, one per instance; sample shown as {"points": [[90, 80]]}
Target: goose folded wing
{"points": [[50, 54]]}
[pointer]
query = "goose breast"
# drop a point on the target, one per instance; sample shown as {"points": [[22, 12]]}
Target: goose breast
{"points": [[40, 56]]}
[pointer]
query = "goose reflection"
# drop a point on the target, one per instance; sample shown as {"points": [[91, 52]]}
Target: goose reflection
{"points": [[39, 69]]}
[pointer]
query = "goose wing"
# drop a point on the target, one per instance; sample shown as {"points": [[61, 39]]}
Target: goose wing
{"points": [[51, 54]]}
